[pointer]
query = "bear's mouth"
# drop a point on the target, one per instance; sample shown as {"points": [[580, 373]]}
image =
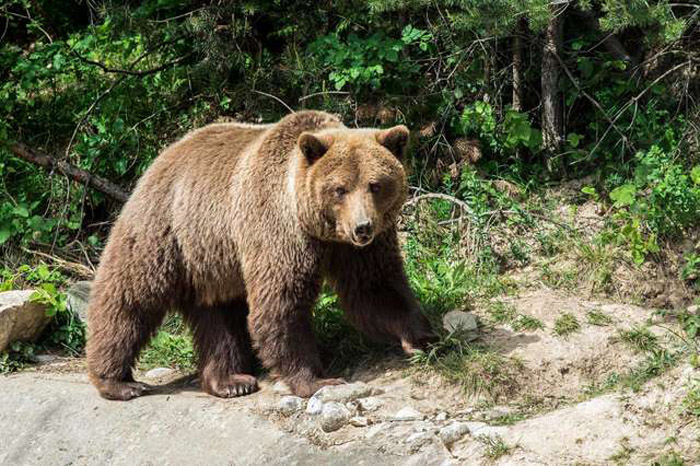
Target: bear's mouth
{"points": [[361, 241]]}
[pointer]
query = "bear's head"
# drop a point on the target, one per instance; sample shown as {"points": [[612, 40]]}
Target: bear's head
{"points": [[351, 184]]}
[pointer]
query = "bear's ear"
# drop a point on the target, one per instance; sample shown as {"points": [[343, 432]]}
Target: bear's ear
{"points": [[395, 139], [313, 147]]}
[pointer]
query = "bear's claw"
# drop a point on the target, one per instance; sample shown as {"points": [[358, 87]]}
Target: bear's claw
{"points": [[232, 386]]}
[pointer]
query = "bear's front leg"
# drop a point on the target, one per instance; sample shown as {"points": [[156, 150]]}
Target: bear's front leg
{"points": [[280, 300], [375, 294]]}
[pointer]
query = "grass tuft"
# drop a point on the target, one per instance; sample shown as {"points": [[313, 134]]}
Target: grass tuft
{"points": [[566, 324]]}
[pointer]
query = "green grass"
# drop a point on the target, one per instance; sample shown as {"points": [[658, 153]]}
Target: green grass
{"points": [[691, 401], [496, 447], [669, 459], [566, 324], [523, 322], [639, 339], [502, 313], [169, 350], [480, 370], [598, 317]]}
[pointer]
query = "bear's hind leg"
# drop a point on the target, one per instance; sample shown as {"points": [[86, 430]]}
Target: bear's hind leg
{"points": [[224, 351]]}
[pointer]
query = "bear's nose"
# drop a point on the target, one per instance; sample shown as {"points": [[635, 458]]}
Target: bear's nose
{"points": [[363, 231]]}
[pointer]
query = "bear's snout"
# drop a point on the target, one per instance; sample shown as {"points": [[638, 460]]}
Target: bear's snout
{"points": [[363, 234]]}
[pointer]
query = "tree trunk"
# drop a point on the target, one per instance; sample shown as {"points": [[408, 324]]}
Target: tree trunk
{"points": [[552, 111], [520, 31]]}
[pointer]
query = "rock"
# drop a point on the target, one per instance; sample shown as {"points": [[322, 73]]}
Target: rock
{"points": [[407, 414], [371, 403], [459, 321], [441, 416], [452, 433], [333, 416], [346, 392], [314, 406], [45, 358], [359, 421], [281, 388], [158, 372], [77, 298], [417, 440], [290, 404], [693, 309], [20, 319]]}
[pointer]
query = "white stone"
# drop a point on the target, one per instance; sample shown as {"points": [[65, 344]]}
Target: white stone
{"points": [[333, 416], [359, 421], [441, 416], [407, 414], [371, 403], [290, 404], [158, 372], [346, 392], [453, 432], [314, 406]]}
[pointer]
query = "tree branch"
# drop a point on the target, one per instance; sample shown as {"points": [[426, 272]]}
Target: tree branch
{"points": [[98, 183], [107, 69]]}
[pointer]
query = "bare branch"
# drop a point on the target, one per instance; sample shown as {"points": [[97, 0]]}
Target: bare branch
{"points": [[98, 183]]}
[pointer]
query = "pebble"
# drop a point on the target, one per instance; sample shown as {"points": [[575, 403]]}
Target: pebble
{"points": [[159, 372], [359, 421], [452, 433], [290, 404], [441, 416], [314, 406], [45, 358], [333, 416], [371, 403], [346, 392], [407, 414]]}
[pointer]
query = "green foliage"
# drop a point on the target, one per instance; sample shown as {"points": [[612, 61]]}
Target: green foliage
{"points": [[372, 62], [16, 357], [169, 350], [566, 324], [640, 339], [691, 401], [64, 333], [598, 317], [480, 370]]}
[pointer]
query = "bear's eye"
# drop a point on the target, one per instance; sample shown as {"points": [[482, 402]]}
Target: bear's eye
{"points": [[374, 187], [340, 191]]}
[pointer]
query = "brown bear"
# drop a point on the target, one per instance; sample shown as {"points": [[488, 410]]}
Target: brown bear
{"points": [[235, 226]]}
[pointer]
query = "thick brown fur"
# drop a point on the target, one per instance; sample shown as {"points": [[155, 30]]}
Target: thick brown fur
{"points": [[235, 226]]}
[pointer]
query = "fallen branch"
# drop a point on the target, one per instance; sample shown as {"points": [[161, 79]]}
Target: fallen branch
{"points": [[79, 175], [81, 270], [445, 197]]}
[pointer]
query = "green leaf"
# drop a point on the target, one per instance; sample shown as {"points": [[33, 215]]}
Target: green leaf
{"points": [[695, 174], [5, 234], [590, 190], [573, 139], [623, 195]]}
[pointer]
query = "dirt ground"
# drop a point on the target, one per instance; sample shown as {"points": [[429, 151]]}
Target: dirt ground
{"points": [[558, 412]]}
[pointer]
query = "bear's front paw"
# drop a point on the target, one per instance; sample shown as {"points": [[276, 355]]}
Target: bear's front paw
{"points": [[120, 389], [230, 386], [306, 388]]}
